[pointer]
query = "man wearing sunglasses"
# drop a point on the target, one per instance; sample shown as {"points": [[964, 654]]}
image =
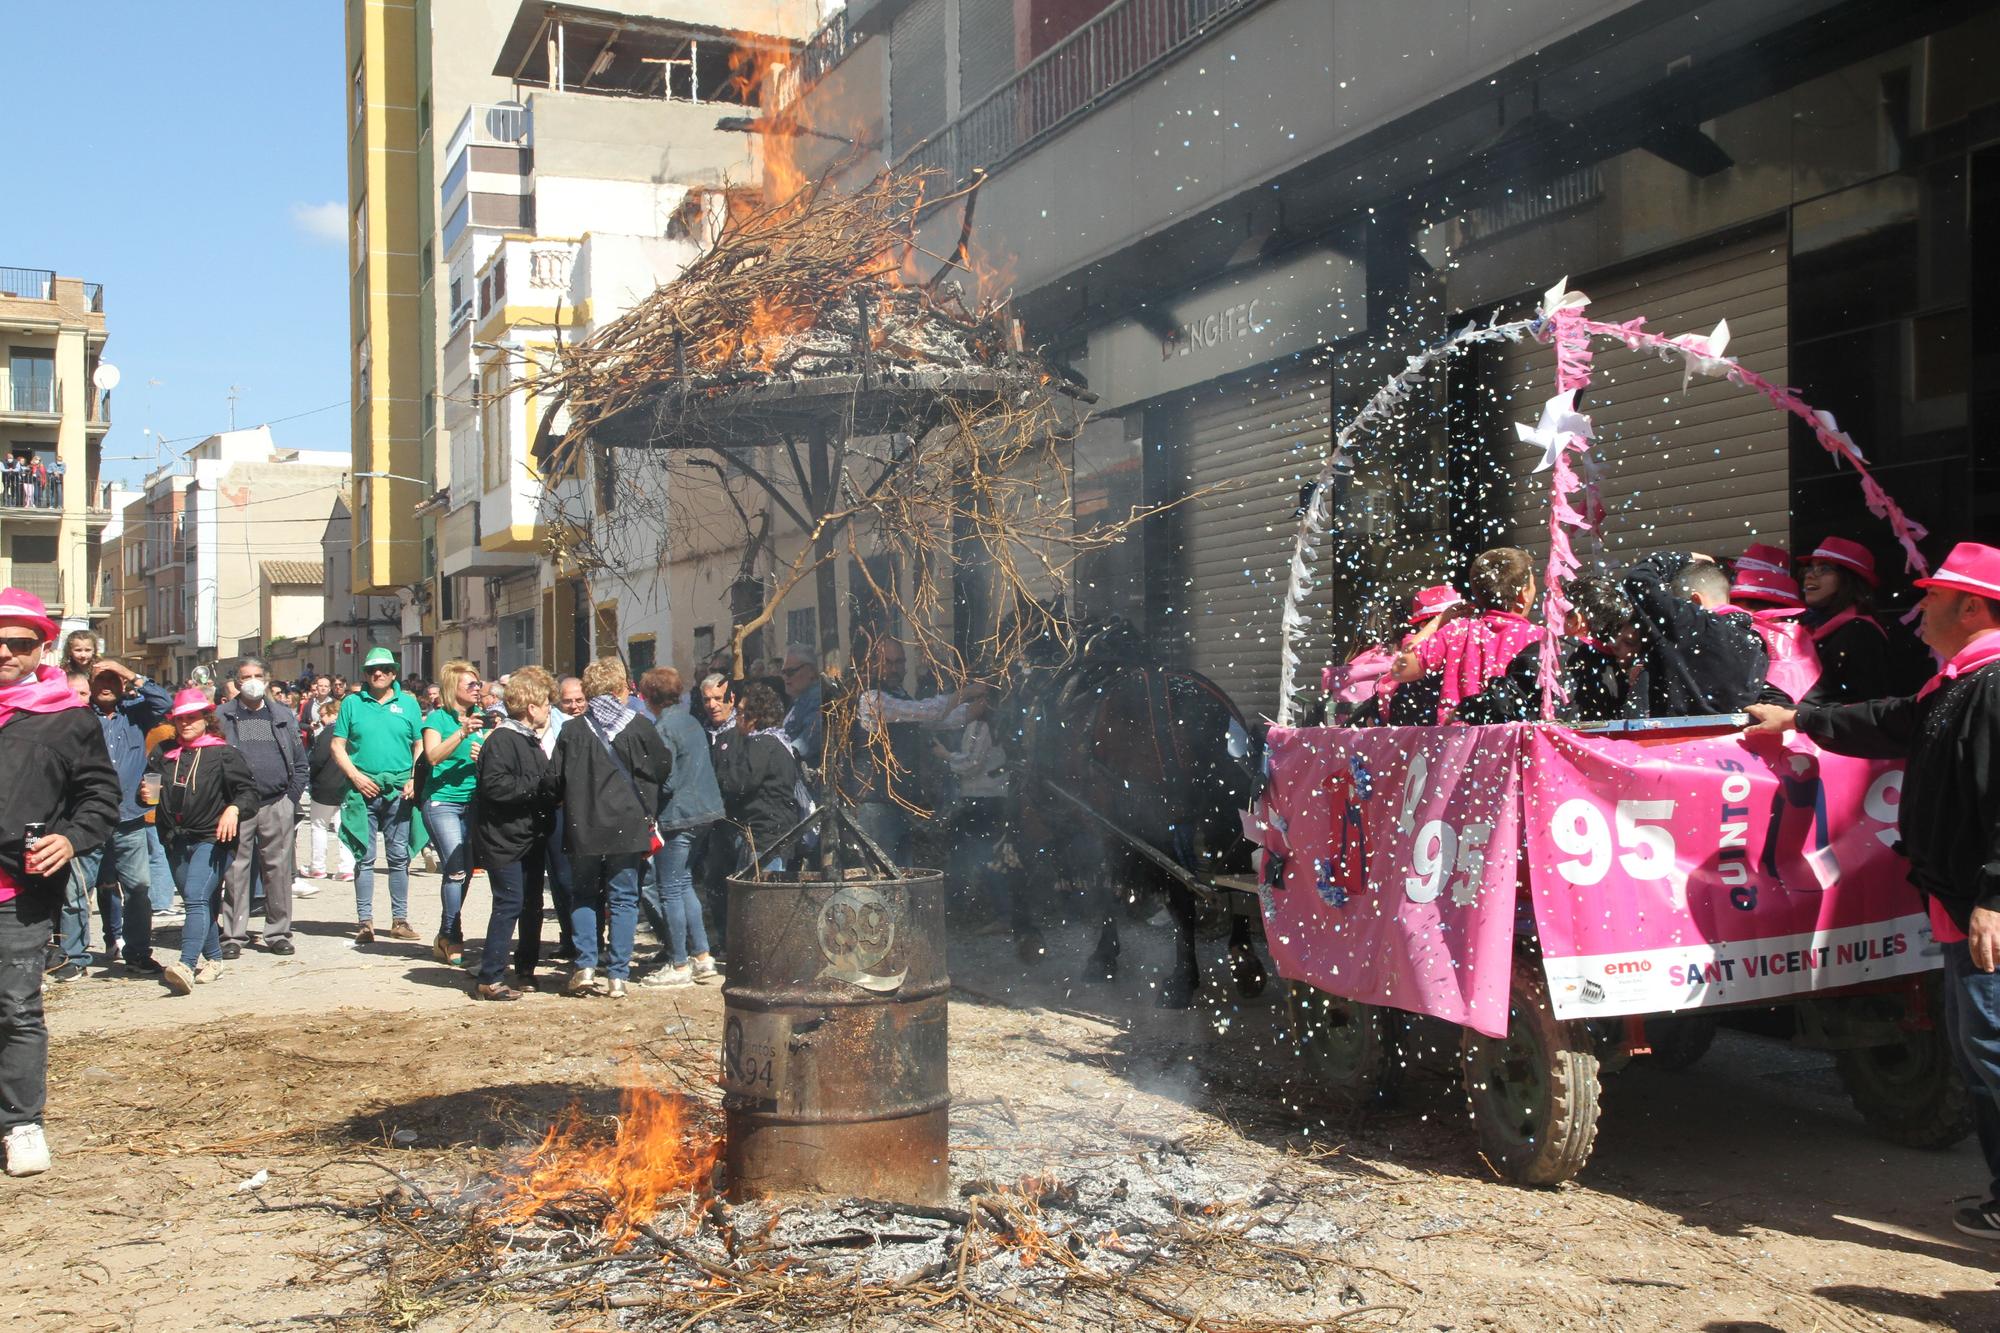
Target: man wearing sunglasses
{"points": [[60, 797]]}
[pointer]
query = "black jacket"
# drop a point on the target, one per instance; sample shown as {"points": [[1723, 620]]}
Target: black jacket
{"points": [[58, 773], [759, 778], [517, 799], [1857, 661], [197, 785], [1592, 678], [1949, 812], [1697, 661], [601, 813], [328, 784]]}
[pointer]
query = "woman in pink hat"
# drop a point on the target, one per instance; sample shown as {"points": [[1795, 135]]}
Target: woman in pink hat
{"points": [[1771, 596], [1856, 657], [205, 791], [1365, 680]]}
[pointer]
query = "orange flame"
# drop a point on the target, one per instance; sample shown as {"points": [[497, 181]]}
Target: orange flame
{"points": [[657, 1152], [761, 75]]}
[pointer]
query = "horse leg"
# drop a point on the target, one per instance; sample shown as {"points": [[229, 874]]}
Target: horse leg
{"points": [[1183, 979], [1103, 965], [1245, 967]]}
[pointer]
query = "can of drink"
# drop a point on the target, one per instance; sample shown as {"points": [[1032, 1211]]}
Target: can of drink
{"points": [[32, 831]]}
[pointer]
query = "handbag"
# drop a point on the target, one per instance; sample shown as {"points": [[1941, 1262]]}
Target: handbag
{"points": [[654, 841]]}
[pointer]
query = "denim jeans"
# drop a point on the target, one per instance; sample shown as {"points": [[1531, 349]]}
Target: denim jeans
{"points": [[671, 900], [24, 1035], [198, 869], [128, 908], [162, 874], [389, 817], [607, 882], [1972, 1025], [451, 834], [517, 900], [978, 832]]}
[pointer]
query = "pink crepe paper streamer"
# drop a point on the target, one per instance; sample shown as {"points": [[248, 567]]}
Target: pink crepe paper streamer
{"points": [[1570, 332], [1907, 530]]}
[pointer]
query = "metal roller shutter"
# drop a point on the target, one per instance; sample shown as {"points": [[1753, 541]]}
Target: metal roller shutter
{"points": [[1262, 436], [1705, 470], [985, 48], [916, 75]]}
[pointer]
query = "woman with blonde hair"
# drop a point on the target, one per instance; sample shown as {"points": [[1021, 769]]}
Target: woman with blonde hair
{"points": [[609, 772], [516, 812], [453, 734]]}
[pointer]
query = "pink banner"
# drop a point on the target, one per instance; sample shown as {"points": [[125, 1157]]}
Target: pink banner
{"points": [[1676, 874], [1400, 850]]}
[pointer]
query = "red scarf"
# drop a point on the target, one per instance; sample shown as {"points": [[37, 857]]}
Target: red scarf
{"points": [[47, 691], [1982, 651]]}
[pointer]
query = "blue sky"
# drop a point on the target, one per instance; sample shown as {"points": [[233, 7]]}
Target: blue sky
{"points": [[191, 159]]}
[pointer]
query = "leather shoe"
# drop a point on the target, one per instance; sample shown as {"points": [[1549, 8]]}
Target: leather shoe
{"points": [[231, 952], [285, 947]]}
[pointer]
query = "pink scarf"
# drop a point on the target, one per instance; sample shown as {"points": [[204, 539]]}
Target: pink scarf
{"points": [[1982, 651], [1794, 662], [200, 742], [1835, 622], [47, 691], [1467, 653]]}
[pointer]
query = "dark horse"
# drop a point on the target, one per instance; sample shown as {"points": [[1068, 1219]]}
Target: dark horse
{"points": [[1163, 759]]}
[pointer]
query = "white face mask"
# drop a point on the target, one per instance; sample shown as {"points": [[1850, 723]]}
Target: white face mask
{"points": [[253, 689]]}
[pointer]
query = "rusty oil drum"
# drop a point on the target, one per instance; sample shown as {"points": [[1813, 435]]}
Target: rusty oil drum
{"points": [[835, 1067]]}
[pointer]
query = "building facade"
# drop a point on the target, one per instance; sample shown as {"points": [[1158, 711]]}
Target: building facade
{"points": [[445, 159], [53, 419], [1287, 198]]}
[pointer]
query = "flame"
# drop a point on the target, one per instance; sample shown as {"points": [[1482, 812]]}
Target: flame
{"points": [[762, 75], [657, 1152]]}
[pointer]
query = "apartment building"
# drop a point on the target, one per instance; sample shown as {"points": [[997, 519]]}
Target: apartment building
{"points": [[53, 419], [236, 502], [462, 110], [1234, 218]]}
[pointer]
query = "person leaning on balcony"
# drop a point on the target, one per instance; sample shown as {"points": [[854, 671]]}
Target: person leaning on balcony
{"points": [[517, 800], [62, 788], [56, 483], [610, 765], [1948, 734], [376, 741]]}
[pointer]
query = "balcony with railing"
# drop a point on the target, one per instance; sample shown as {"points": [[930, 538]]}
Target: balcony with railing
{"points": [[81, 301], [1116, 48], [28, 284]]}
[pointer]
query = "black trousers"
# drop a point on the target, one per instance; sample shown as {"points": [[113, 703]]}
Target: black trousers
{"points": [[517, 898], [25, 922]]}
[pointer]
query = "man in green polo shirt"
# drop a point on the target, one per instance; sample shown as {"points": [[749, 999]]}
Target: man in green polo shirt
{"points": [[376, 741]]}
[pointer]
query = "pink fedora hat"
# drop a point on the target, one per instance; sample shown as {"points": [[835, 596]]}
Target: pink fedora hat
{"points": [[1846, 554], [19, 605], [190, 701], [1971, 567], [1765, 585], [1765, 557], [1432, 601]]}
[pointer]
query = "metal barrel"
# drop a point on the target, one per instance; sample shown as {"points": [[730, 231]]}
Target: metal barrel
{"points": [[835, 1060]]}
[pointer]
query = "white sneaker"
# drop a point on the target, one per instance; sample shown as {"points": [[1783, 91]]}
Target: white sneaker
{"points": [[207, 970], [303, 888], [27, 1151], [703, 967], [669, 976]]}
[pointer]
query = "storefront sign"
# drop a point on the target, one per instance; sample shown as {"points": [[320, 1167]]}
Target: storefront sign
{"points": [[1244, 320]]}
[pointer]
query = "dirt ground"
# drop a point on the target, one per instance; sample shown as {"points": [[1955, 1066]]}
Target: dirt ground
{"points": [[197, 1141]]}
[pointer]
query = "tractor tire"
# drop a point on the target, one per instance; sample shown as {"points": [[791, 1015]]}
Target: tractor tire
{"points": [[1910, 1093], [1534, 1093], [1347, 1048], [1678, 1040]]}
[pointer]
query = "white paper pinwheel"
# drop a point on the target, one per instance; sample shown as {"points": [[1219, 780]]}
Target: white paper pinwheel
{"points": [[1560, 297], [1704, 354], [1560, 420]]}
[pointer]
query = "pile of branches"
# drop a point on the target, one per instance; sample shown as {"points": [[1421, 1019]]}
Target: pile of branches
{"points": [[823, 282]]}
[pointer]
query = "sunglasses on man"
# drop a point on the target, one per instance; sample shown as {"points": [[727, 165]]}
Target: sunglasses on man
{"points": [[19, 645]]}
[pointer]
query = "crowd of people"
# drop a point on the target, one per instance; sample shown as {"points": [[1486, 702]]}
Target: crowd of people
{"points": [[27, 481]]}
